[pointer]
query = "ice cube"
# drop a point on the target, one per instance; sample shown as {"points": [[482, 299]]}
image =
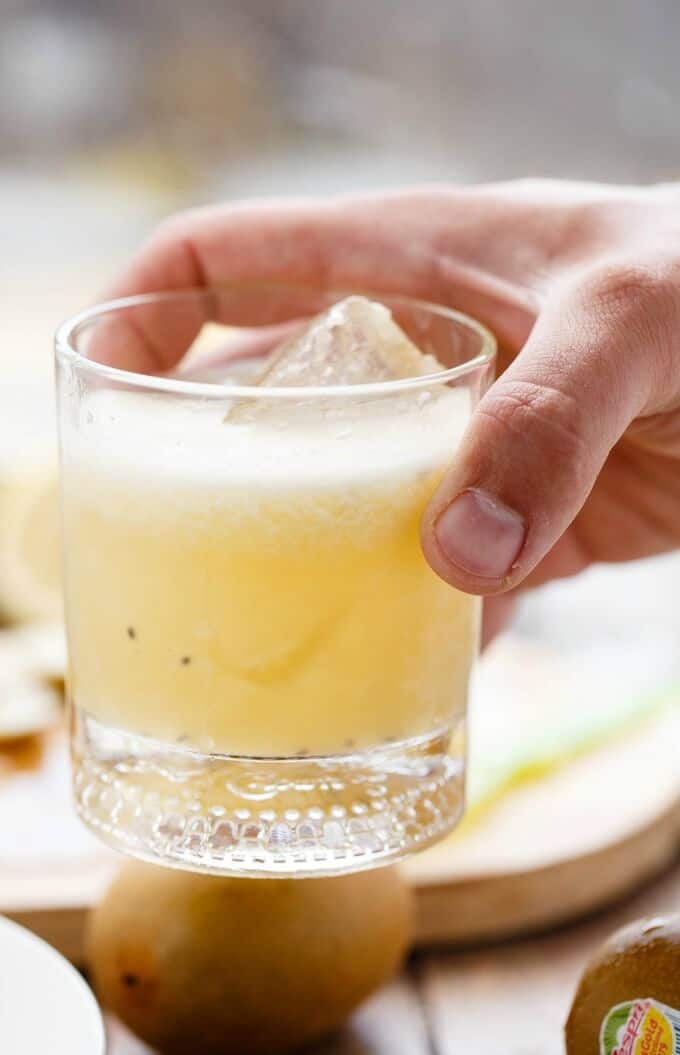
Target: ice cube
{"points": [[354, 342]]}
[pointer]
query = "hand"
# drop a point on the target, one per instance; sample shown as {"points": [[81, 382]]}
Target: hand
{"points": [[573, 455]]}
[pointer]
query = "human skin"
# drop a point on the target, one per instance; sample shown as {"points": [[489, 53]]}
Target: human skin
{"points": [[573, 454]]}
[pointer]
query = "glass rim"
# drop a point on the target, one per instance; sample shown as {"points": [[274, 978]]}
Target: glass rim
{"points": [[66, 350]]}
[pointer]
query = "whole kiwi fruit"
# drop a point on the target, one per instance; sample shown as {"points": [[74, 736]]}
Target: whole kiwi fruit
{"points": [[203, 965], [640, 960]]}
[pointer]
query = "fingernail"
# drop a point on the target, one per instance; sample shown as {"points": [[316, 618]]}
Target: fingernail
{"points": [[480, 535]]}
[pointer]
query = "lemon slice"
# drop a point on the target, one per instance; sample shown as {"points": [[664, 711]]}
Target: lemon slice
{"points": [[30, 559]]}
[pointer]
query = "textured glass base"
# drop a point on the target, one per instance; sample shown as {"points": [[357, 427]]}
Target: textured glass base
{"points": [[247, 816]]}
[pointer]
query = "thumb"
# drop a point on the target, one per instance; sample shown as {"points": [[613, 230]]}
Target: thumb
{"points": [[541, 434]]}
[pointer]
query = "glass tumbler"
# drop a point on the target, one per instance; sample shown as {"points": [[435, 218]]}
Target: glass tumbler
{"points": [[266, 677]]}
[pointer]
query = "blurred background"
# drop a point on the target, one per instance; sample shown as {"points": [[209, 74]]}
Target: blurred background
{"points": [[114, 115]]}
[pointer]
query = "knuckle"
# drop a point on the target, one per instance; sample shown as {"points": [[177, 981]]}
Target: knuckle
{"points": [[635, 289], [639, 306], [538, 416]]}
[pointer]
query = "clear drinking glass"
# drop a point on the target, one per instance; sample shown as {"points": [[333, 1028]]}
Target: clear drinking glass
{"points": [[265, 675]]}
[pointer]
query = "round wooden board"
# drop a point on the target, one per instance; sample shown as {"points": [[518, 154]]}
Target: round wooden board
{"points": [[559, 848]]}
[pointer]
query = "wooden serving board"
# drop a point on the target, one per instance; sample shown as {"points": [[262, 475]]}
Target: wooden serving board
{"points": [[547, 853], [558, 848]]}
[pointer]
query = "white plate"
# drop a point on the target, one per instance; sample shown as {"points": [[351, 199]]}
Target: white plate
{"points": [[46, 1008]]}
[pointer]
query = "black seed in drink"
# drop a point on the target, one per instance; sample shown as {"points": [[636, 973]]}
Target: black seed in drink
{"points": [[183, 738], [131, 633], [129, 979], [185, 661], [302, 752], [349, 743], [391, 739]]}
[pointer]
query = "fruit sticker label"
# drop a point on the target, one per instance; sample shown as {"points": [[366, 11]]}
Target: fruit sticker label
{"points": [[641, 1027]]}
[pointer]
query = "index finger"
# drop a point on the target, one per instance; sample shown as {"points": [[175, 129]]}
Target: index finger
{"points": [[386, 242]]}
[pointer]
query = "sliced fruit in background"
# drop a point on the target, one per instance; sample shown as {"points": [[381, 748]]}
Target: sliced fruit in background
{"points": [[36, 651], [26, 709], [494, 772], [32, 666], [30, 559], [584, 663]]}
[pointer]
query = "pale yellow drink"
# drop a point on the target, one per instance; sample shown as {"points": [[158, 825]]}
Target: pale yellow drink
{"points": [[258, 588]]}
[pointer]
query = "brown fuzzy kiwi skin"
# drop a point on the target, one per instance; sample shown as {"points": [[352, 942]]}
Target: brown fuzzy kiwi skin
{"points": [[199, 965], [640, 960]]}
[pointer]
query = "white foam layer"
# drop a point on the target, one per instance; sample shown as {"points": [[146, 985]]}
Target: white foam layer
{"points": [[161, 444]]}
